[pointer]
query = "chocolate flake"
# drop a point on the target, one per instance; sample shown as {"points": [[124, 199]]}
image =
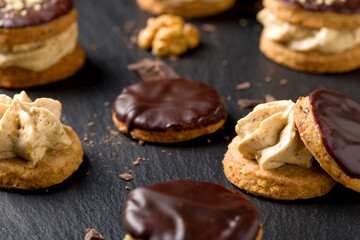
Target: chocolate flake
{"points": [[126, 176], [249, 103], [243, 86], [149, 70], [92, 234]]}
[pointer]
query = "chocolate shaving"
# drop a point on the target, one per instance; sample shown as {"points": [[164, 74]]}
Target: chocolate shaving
{"points": [[92, 234], [126, 176], [249, 103], [243, 86], [150, 70]]}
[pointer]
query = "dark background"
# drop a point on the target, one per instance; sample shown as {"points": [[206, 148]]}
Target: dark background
{"points": [[94, 196]]}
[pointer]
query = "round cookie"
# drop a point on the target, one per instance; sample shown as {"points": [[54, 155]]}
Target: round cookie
{"points": [[328, 123], [182, 209], [54, 168], [310, 61], [169, 110], [189, 9], [38, 42], [288, 182], [337, 16]]}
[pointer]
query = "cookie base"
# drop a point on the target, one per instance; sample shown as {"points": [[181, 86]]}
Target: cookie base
{"points": [[288, 182], [194, 9], [258, 237], [14, 77], [55, 167], [309, 133], [310, 61], [168, 136], [312, 19]]}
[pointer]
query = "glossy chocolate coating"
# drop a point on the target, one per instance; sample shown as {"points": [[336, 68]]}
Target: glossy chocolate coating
{"points": [[184, 209], [347, 7], [175, 104], [338, 119], [51, 10]]}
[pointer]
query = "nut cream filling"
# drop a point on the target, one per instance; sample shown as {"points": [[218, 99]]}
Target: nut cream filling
{"points": [[303, 39], [39, 56], [268, 134], [29, 129]]}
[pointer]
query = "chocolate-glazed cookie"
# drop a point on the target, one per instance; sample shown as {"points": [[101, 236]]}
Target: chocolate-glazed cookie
{"points": [[329, 125], [38, 42], [25, 13], [169, 110], [184, 209]]}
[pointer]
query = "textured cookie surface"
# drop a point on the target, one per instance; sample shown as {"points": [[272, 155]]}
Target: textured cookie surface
{"points": [[288, 182], [310, 134], [312, 19], [192, 9], [311, 61], [54, 168]]}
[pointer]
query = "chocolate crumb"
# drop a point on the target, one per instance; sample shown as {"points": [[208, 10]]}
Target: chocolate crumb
{"points": [[225, 63], [283, 82], [137, 161], [92, 234], [243, 86], [269, 98], [126, 176], [127, 188], [249, 103], [209, 28], [268, 79], [90, 124]]}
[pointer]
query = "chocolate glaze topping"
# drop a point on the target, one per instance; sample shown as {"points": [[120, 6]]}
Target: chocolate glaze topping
{"points": [[347, 6], [175, 104], [33, 15], [338, 119], [184, 209]]}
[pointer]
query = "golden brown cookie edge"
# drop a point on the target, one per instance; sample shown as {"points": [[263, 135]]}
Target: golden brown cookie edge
{"points": [[280, 183], [54, 168], [310, 135]]}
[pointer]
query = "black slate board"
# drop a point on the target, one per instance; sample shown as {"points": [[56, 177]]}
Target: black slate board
{"points": [[94, 196]]}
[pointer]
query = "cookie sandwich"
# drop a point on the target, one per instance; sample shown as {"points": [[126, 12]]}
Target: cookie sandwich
{"points": [[184, 209], [38, 42], [321, 36], [186, 8], [269, 159], [36, 150]]}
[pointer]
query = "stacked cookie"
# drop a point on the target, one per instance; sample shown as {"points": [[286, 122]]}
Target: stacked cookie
{"points": [[270, 155], [38, 42], [312, 35]]}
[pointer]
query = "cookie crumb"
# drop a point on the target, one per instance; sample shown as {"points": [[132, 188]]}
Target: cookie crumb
{"points": [[116, 29], [107, 104], [93, 47], [243, 22], [228, 98], [129, 26], [209, 28], [225, 63], [114, 133], [127, 188], [243, 86], [126, 176], [141, 142], [92, 234], [283, 82], [90, 124], [269, 98], [85, 139], [249, 103], [137, 161], [268, 79]]}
